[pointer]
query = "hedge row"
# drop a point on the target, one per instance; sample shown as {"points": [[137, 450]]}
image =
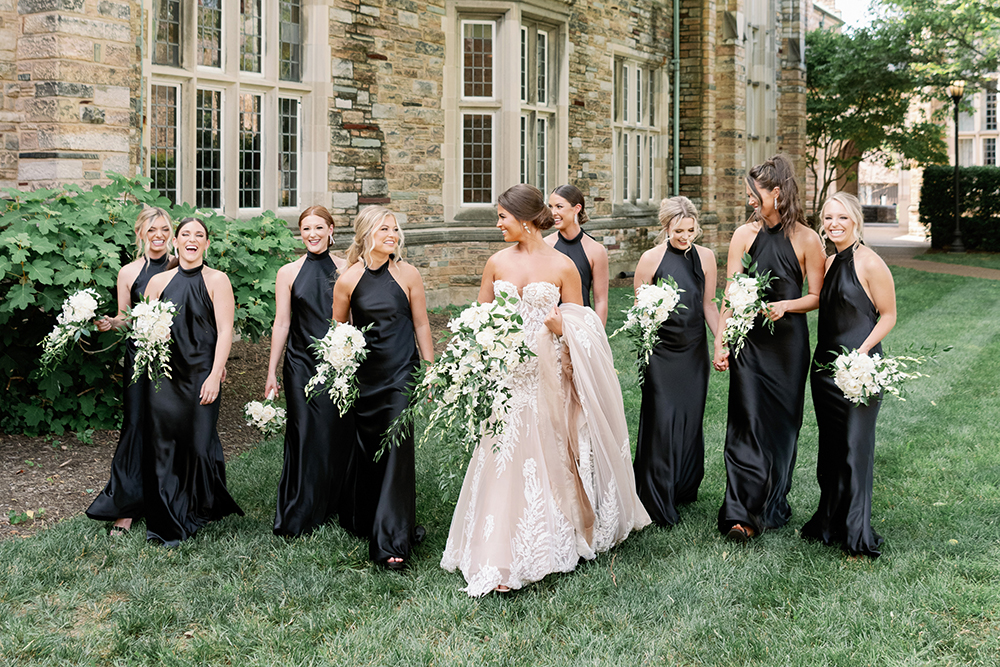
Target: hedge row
{"points": [[54, 242], [979, 205]]}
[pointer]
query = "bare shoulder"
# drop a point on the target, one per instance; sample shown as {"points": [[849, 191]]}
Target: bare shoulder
{"points": [[745, 233], [552, 238], [706, 255], [351, 275], [593, 247], [338, 262], [292, 268], [128, 273], [870, 260], [214, 277], [654, 255], [409, 272], [807, 236], [159, 281]]}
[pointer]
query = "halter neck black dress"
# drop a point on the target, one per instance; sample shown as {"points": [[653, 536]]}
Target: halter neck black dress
{"points": [[317, 439], [122, 497], [379, 499], [670, 454], [846, 431], [767, 384], [573, 248], [184, 472]]}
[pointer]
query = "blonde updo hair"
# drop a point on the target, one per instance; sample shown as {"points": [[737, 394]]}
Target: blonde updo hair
{"points": [[854, 212], [142, 224], [527, 204], [572, 194], [365, 225], [674, 209]]}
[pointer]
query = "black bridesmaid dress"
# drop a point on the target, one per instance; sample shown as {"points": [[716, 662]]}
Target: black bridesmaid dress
{"points": [[670, 454], [379, 499], [317, 439], [767, 384], [122, 497], [184, 472], [573, 248], [846, 431]]}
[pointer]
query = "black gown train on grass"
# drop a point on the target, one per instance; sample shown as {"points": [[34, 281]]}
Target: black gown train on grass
{"points": [[670, 454], [767, 384], [573, 248], [846, 431], [184, 471], [379, 498], [122, 497], [318, 440]]}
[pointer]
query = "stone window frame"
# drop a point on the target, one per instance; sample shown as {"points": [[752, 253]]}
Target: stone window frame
{"points": [[313, 92], [990, 110], [637, 127], [537, 116], [509, 17], [762, 81]]}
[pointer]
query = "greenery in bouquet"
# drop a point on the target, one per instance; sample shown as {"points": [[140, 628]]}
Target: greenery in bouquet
{"points": [[864, 377], [150, 321], [75, 320], [340, 352], [745, 299], [653, 305], [266, 417]]}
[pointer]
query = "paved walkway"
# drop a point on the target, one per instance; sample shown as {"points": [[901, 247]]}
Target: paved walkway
{"points": [[899, 250]]}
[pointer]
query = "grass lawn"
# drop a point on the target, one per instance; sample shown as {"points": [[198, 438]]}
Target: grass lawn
{"points": [[235, 594], [985, 260]]}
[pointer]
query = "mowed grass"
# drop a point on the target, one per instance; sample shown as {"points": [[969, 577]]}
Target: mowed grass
{"points": [[234, 594], [983, 260]]}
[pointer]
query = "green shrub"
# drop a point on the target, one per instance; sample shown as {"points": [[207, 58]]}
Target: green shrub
{"points": [[54, 242], [979, 206]]}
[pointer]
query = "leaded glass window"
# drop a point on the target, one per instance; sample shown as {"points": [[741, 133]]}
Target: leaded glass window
{"points": [[208, 149], [477, 59], [290, 40], [209, 52], [251, 27], [250, 150], [163, 154], [167, 32], [288, 156], [477, 158]]}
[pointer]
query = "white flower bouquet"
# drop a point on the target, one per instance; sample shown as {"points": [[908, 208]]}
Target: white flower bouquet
{"points": [[744, 297], [340, 352], [151, 321], [653, 305], [265, 417], [862, 377], [74, 321], [465, 394]]}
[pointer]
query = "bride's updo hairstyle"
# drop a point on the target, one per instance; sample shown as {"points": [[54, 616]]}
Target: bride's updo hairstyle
{"points": [[142, 223], [527, 204], [777, 172], [364, 232], [572, 194], [673, 210]]}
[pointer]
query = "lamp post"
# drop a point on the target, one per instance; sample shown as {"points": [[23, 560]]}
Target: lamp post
{"points": [[955, 91]]}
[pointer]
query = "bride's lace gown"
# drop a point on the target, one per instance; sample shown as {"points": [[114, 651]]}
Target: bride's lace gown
{"points": [[558, 485]]}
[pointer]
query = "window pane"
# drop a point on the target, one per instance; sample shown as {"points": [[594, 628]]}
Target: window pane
{"points": [[650, 155], [524, 66], [542, 47], [965, 148], [477, 158], [625, 165], [541, 153], [651, 103], [250, 35], [638, 167], [617, 95], [208, 149], [989, 152], [290, 40], [163, 140], [524, 149], [250, 150], [625, 73], [477, 71], [209, 33], [990, 120], [167, 31], [639, 90], [288, 157]]}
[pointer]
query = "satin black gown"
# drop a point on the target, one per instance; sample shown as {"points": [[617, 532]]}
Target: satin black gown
{"points": [[317, 438], [379, 499], [670, 454], [573, 248], [846, 431], [766, 394], [184, 472], [122, 497]]}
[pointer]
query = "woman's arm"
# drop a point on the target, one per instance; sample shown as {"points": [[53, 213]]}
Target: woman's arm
{"points": [[418, 310], [570, 292], [123, 290], [646, 268], [883, 291], [343, 290], [224, 305], [279, 330], [734, 264], [710, 270], [599, 274], [815, 262], [486, 285]]}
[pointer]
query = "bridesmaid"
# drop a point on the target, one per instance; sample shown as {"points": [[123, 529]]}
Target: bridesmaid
{"points": [[857, 308], [767, 383], [566, 204], [184, 472], [670, 454], [121, 499], [316, 436], [379, 289]]}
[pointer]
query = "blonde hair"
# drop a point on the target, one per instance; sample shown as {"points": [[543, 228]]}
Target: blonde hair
{"points": [[854, 212], [142, 223], [365, 225], [675, 209]]}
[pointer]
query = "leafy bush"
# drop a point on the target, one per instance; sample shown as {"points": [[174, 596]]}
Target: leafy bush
{"points": [[54, 242], [979, 206]]}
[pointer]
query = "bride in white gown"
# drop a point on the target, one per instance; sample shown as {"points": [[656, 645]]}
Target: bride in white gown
{"points": [[558, 486]]}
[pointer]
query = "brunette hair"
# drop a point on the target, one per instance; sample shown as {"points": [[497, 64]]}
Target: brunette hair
{"points": [[854, 212], [142, 223], [184, 222], [674, 209], [572, 194], [777, 172], [364, 229], [527, 204]]}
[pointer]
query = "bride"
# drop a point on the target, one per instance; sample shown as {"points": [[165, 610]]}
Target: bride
{"points": [[558, 485]]}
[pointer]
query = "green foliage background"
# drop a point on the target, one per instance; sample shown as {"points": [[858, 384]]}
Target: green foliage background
{"points": [[979, 205], [54, 242]]}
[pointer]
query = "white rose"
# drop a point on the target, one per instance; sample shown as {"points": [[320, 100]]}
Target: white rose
{"points": [[159, 332], [255, 410], [486, 337], [268, 412]]}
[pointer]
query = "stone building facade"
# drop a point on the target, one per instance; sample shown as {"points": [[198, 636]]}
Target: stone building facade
{"points": [[430, 107]]}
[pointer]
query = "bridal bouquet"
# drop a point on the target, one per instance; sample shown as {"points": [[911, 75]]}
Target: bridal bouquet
{"points": [[466, 393], [151, 322], [653, 305], [75, 320], [744, 296], [265, 417], [340, 352], [862, 377]]}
